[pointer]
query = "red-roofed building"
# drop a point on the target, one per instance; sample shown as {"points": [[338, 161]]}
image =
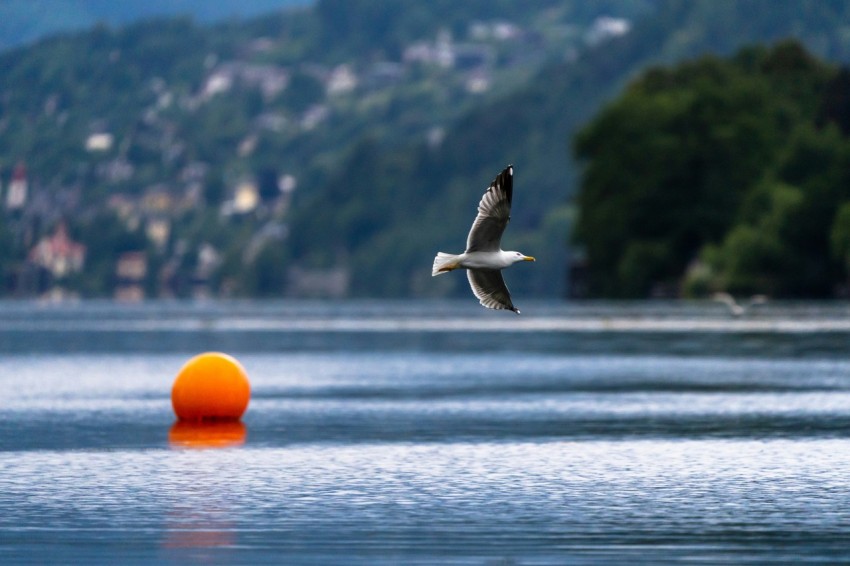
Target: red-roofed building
{"points": [[58, 253]]}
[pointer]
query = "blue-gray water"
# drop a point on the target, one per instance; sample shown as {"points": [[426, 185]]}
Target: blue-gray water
{"points": [[422, 433]]}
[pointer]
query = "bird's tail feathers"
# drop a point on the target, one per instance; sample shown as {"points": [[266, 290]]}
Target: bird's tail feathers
{"points": [[444, 263]]}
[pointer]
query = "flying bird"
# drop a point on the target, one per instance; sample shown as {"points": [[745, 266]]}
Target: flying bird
{"points": [[484, 258], [736, 309]]}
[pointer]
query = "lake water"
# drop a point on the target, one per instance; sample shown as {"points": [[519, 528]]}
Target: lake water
{"points": [[423, 433]]}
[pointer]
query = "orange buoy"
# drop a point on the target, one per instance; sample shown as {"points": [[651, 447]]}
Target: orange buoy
{"points": [[211, 386]]}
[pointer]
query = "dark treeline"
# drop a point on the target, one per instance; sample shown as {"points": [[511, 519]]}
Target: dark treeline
{"points": [[721, 175]]}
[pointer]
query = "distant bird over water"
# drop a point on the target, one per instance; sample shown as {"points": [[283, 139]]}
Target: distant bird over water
{"points": [[484, 259], [736, 309]]}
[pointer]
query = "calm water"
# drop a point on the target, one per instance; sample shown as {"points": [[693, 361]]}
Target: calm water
{"points": [[429, 433]]}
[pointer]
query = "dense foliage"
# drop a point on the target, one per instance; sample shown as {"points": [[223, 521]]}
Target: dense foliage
{"points": [[720, 175], [155, 129], [534, 126], [367, 151]]}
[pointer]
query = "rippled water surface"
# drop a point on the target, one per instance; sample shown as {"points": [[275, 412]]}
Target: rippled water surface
{"points": [[429, 433]]}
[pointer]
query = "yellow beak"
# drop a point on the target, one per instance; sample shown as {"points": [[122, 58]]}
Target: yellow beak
{"points": [[528, 258]]}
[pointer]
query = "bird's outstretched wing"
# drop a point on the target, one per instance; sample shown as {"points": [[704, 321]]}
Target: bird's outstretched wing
{"points": [[490, 289], [494, 211]]}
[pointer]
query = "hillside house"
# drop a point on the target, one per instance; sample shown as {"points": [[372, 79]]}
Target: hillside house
{"points": [[130, 273], [16, 195], [58, 254]]}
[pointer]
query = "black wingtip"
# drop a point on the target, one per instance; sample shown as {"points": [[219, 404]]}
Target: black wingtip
{"points": [[506, 178]]}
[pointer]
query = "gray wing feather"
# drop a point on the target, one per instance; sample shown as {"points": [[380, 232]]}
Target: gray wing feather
{"points": [[490, 289], [494, 212]]}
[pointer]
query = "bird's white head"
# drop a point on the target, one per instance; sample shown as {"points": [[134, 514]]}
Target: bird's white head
{"points": [[516, 257]]}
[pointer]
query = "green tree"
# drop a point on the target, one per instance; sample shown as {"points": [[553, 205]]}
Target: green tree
{"points": [[303, 91], [266, 275], [106, 238], [681, 162], [754, 256]]}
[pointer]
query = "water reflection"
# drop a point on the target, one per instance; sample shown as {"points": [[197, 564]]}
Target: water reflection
{"points": [[197, 523], [197, 530], [207, 434]]}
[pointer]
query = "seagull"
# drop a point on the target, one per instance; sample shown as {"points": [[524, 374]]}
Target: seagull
{"points": [[484, 259], [734, 308]]}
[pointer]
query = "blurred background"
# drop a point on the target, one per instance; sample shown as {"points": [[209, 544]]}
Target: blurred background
{"points": [[329, 148]]}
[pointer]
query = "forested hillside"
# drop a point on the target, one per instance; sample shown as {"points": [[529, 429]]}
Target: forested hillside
{"points": [[535, 126], [333, 150], [176, 158]]}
